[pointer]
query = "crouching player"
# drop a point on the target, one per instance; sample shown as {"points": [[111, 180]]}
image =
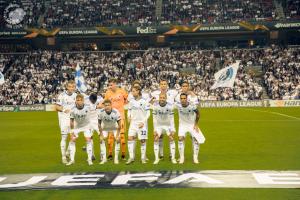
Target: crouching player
{"points": [[138, 114], [109, 122], [79, 122], [188, 122], [163, 122]]}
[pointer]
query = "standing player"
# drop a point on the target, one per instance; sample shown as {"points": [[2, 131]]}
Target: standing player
{"points": [[93, 101], [65, 102], [171, 94], [188, 122], [163, 122], [138, 114], [192, 97], [163, 88], [145, 95], [118, 98], [79, 122], [109, 122]]}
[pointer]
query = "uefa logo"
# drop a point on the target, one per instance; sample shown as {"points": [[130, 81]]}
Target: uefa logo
{"points": [[14, 15]]}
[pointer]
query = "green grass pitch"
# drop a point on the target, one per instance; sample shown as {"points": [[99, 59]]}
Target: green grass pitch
{"points": [[236, 139]]}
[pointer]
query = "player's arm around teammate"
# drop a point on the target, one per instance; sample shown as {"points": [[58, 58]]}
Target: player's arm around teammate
{"points": [[65, 101]]}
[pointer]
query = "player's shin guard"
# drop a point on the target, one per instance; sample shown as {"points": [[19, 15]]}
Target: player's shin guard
{"points": [[172, 149], [72, 151], [110, 143], [156, 150], [161, 147], [117, 150], [131, 149], [196, 147], [123, 143], [102, 150], [92, 144], [181, 149], [89, 150], [63, 144], [134, 147], [143, 151]]}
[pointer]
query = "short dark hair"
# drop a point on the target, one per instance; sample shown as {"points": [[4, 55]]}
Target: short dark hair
{"points": [[112, 80], [183, 94], [93, 97], [136, 82], [70, 82], [185, 82], [162, 80], [107, 101], [79, 96]]}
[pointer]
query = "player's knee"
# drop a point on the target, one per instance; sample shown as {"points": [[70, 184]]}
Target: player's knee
{"points": [[88, 139], [130, 138], [143, 141], [171, 138], [111, 136], [156, 137], [195, 142], [64, 137], [122, 137], [181, 138]]}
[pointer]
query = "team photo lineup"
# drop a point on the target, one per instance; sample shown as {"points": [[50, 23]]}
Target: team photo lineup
{"points": [[150, 99], [90, 113]]}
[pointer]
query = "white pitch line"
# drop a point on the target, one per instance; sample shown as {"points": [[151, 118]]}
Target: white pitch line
{"points": [[274, 113]]}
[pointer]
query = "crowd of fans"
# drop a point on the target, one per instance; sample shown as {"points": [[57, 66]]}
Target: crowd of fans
{"points": [[214, 11], [99, 12], [292, 10], [38, 77], [72, 13], [282, 72]]}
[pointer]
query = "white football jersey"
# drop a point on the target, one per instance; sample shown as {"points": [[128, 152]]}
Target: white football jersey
{"points": [[187, 114], [67, 102], [109, 121], [191, 99], [80, 116], [138, 110], [171, 94], [163, 116]]}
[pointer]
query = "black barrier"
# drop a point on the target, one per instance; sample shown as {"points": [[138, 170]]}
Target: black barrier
{"points": [[146, 30]]}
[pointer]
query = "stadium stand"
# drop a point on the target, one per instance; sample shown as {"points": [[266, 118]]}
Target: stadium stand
{"points": [[46, 71], [76, 13], [213, 11], [292, 10], [282, 73]]}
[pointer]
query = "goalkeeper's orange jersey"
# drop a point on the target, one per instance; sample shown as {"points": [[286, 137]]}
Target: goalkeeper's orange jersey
{"points": [[118, 99]]}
